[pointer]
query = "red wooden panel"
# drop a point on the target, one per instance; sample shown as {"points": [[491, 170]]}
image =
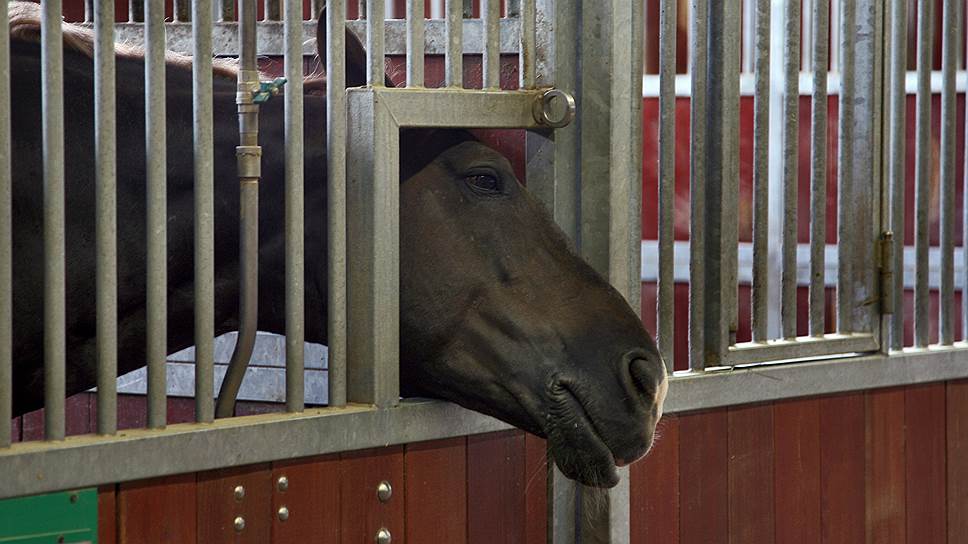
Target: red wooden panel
{"points": [[218, 506], [842, 472], [361, 513], [885, 466], [132, 412], [107, 514], [703, 487], [796, 439], [436, 494], [924, 423], [536, 488], [496, 472], [155, 511], [311, 497], [750, 445], [957, 435], [15, 429], [654, 488]]}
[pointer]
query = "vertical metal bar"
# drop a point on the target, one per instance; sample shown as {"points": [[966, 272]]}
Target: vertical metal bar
{"points": [[665, 315], [415, 43], [336, 198], [951, 30], [896, 170], [526, 57], [454, 57], [361, 9], [836, 24], [106, 194], [491, 12], [922, 181], [513, 8], [6, 241], [729, 198], [228, 11], [749, 35], [295, 261], [88, 11], [845, 293], [182, 11], [136, 10], [807, 29], [791, 165], [375, 36], [156, 349], [273, 11], [697, 183], [761, 174], [818, 167], [315, 8], [468, 9], [204, 212]]}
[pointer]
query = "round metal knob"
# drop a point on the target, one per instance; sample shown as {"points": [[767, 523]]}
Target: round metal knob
{"points": [[239, 492], [239, 523], [384, 491], [283, 513], [554, 108], [282, 484], [383, 537]]}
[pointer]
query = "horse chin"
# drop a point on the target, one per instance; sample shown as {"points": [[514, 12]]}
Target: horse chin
{"points": [[580, 453]]}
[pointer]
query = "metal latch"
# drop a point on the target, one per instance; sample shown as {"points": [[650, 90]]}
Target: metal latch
{"points": [[886, 244]]}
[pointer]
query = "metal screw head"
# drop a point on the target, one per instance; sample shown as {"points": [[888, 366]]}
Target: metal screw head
{"points": [[74, 498], [283, 513], [239, 523], [384, 491], [383, 537], [239, 492], [282, 484]]}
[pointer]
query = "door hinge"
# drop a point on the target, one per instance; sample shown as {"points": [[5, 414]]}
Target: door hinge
{"points": [[886, 250]]}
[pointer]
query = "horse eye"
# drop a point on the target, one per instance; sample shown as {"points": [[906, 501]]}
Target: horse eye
{"points": [[484, 183]]}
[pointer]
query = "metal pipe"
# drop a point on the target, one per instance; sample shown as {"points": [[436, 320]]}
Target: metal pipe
{"points": [[361, 9], [136, 11], [204, 212], [468, 9], [491, 12], [315, 8], [665, 317], [52, 120], [273, 11], [295, 242], [375, 38], [951, 29], [922, 181], [526, 58], [105, 138], [729, 198], [88, 11], [896, 167], [182, 11], [513, 8], [228, 11], [845, 215], [248, 155], [791, 165], [336, 198], [415, 43], [454, 58], [697, 184], [761, 175], [807, 32], [6, 241], [818, 166]]}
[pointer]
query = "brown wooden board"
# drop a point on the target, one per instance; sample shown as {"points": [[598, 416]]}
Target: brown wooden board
{"points": [[436, 493], [842, 468], [924, 422], [885, 467], [535, 488], [496, 471], [703, 486], [796, 438], [157, 511], [362, 515], [654, 488], [218, 506], [107, 514], [957, 438], [750, 443], [311, 498]]}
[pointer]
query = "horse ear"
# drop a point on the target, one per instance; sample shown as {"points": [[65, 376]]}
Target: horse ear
{"points": [[355, 53]]}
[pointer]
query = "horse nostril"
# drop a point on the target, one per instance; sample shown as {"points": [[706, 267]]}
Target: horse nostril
{"points": [[647, 375]]}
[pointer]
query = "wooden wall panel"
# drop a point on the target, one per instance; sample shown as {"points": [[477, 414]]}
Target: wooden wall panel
{"points": [[924, 408], [842, 468], [703, 486], [218, 507], [496, 476], [436, 491], [957, 454], [107, 514], [157, 511], [654, 484], [750, 447], [536, 488], [311, 497], [885, 467], [362, 515], [796, 438]]}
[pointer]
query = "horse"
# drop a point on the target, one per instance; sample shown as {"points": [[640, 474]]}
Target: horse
{"points": [[497, 312]]}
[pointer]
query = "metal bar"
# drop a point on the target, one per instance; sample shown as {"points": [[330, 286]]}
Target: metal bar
{"points": [[375, 36], [105, 137], [513, 8], [273, 11], [182, 10], [665, 311], [295, 205], [896, 168], [818, 165], [204, 212], [761, 175], [964, 264], [749, 34], [136, 10], [922, 169], [729, 245], [88, 11], [336, 199], [454, 59], [526, 58], [315, 8], [6, 240], [951, 29], [52, 103], [776, 190], [472, 108], [361, 10], [697, 184], [228, 11], [845, 293], [491, 12], [791, 165], [415, 43], [807, 32]]}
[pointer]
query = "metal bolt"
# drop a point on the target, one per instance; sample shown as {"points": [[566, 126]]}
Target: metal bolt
{"points": [[283, 513], [74, 498], [384, 491], [239, 523], [383, 537], [282, 484], [239, 492]]}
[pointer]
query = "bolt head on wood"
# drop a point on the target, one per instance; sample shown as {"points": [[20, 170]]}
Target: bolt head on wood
{"points": [[239, 492], [384, 491], [282, 484], [383, 537], [283, 513], [239, 523]]}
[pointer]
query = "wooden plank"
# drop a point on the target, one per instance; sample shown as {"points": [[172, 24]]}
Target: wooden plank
{"points": [[436, 493], [957, 434], [496, 472], [924, 422], [703, 486], [750, 446], [362, 515], [311, 498], [107, 514], [218, 506], [535, 488], [796, 438], [654, 488], [159, 510], [885, 466], [842, 473]]}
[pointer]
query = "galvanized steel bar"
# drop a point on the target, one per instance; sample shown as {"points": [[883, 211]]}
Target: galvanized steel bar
{"points": [[204, 212], [807, 32], [749, 35], [106, 289], [52, 119], [729, 196], [273, 11], [491, 14], [951, 30], [295, 246], [336, 198], [922, 169], [845, 293], [182, 11], [761, 175], [791, 165], [665, 314], [964, 264], [361, 9], [228, 11], [156, 349], [513, 8], [415, 43], [6, 241], [697, 183], [818, 165], [136, 10], [88, 11], [526, 58], [375, 36], [896, 167], [454, 59], [315, 8]]}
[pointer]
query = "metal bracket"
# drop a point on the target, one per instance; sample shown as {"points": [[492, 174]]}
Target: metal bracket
{"points": [[554, 108]]}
